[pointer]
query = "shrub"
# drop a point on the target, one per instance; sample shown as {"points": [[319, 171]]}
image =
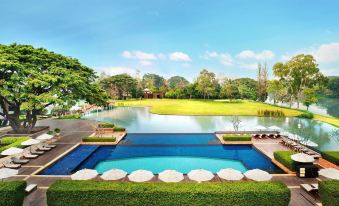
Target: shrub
{"points": [[105, 125], [98, 139], [329, 192], [50, 132], [57, 130], [119, 129], [12, 193], [284, 157], [306, 115], [66, 192], [70, 116], [332, 156], [237, 137], [8, 142], [270, 113]]}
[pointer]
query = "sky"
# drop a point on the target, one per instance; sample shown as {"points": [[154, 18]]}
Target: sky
{"points": [[177, 37]]}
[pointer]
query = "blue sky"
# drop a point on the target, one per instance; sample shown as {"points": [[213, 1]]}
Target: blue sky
{"points": [[177, 37]]}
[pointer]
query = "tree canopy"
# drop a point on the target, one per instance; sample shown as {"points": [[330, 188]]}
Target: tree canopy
{"points": [[31, 79], [120, 86], [154, 82]]}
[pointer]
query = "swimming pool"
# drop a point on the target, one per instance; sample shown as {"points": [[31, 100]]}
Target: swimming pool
{"points": [[157, 152]]}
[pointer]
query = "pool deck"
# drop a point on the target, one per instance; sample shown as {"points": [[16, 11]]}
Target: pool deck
{"points": [[71, 136]]}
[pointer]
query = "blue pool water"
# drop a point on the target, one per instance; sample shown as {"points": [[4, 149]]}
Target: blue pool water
{"points": [[157, 152], [157, 164]]}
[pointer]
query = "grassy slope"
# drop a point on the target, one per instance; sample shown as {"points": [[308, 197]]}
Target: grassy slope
{"points": [[208, 107]]}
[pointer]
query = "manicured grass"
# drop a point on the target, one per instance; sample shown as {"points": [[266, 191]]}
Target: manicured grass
{"points": [[105, 193], [119, 129], [329, 192], [8, 142], [12, 193], [284, 157], [330, 120], [105, 125], [70, 116], [98, 139], [237, 137], [332, 156], [206, 107]]}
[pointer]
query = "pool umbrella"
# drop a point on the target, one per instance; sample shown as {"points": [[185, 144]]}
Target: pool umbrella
{"points": [[140, 176], [309, 143], [11, 151], [171, 176], [45, 137], [330, 173], [230, 174], [114, 174], [30, 142], [274, 128], [295, 137], [84, 174], [200, 175], [302, 157], [260, 128], [6, 173], [258, 175]]}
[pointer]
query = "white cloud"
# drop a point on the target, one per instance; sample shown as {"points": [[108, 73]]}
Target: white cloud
{"points": [[179, 56], [117, 70], [327, 53], [224, 58], [249, 54], [139, 55], [251, 66]]}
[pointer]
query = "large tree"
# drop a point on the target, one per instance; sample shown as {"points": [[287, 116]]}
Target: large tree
{"points": [[120, 86], [206, 83], [176, 82], [31, 79], [154, 82], [299, 73]]}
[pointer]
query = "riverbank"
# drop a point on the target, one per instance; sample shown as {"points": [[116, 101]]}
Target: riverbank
{"points": [[210, 107]]}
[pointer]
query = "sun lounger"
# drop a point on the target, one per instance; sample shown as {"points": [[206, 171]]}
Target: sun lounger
{"points": [[35, 152], [30, 156], [11, 165], [310, 188], [19, 161], [31, 187], [41, 148], [49, 145]]}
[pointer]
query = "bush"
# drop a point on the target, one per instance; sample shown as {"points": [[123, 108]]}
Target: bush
{"points": [[104, 193], [237, 137], [12, 193], [119, 129], [8, 142], [50, 132], [70, 116], [332, 156], [98, 139], [106, 125], [57, 130], [270, 113], [329, 192], [284, 157], [306, 115]]}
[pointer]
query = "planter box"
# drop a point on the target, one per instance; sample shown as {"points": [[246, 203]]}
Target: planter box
{"points": [[104, 130]]}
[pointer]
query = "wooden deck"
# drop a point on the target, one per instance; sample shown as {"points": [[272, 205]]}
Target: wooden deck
{"points": [[74, 130]]}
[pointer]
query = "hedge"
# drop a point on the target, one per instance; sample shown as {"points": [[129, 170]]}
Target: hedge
{"points": [[237, 137], [12, 193], [284, 157], [119, 129], [106, 125], [98, 139], [332, 156], [104, 193], [306, 115], [70, 116], [8, 142], [329, 192]]}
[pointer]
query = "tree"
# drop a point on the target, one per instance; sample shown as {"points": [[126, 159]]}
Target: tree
{"points": [[262, 82], [120, 86], [247, 88], [299, 73], [275, 90], [153, 82], [31, 79], [236, 122], [309, 97], [206, 83], [229, 90], [177, 82], [333, 86]]}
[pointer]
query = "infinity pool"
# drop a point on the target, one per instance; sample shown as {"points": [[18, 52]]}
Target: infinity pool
{"points": [[158, 152]]}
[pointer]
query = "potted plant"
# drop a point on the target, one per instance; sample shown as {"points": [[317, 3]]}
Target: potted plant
{"points": [[57, 131], [50, 132]]}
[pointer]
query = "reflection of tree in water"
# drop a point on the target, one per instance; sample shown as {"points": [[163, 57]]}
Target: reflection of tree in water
{"points": [[331, 105], [122, 116], [335, 134], [206, 123], [270, 121]]}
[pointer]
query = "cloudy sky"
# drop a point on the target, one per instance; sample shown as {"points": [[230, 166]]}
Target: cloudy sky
{"points": [[177, 37]]}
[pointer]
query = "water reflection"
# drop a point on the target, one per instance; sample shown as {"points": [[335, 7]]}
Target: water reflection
{"points": [[140, 120]]}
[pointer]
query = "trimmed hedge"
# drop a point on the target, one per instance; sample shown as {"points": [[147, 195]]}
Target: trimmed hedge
{"points": [[106, 125], [306, 115], [237, 137], [70, 116], [8, 142], [98, 139], [12, 193], [329, 192], [284, 157], [119, 129], [332, 156], [104, 193]]}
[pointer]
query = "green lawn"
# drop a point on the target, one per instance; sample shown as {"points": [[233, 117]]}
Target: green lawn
{"points": [[205, 107]]}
